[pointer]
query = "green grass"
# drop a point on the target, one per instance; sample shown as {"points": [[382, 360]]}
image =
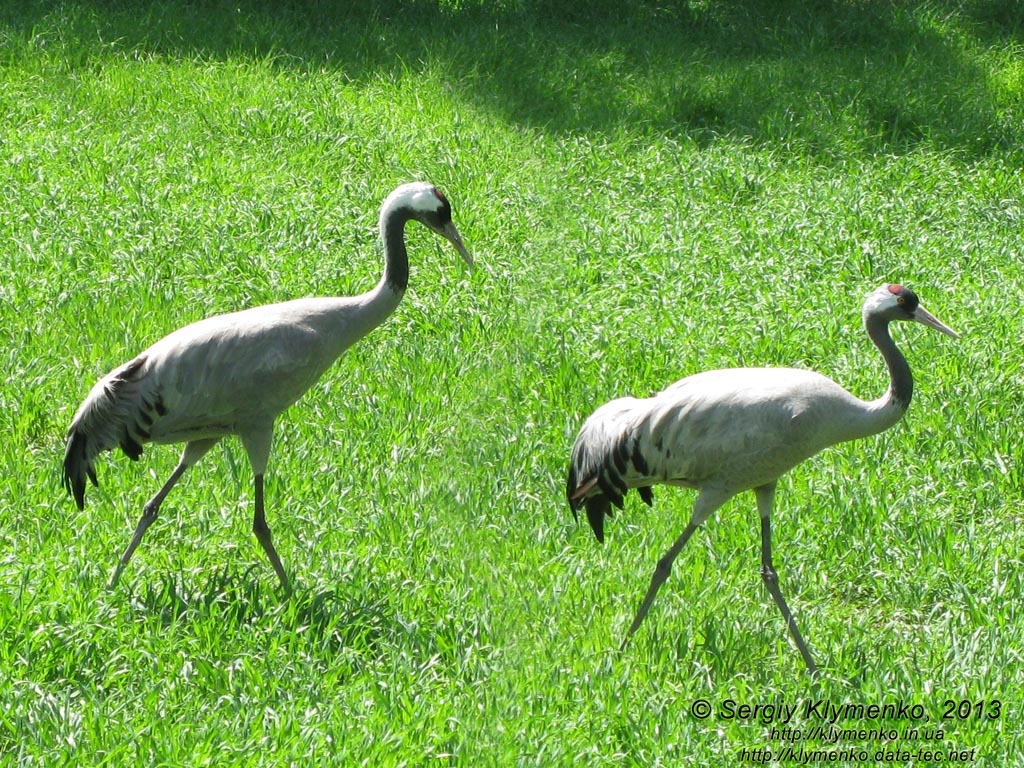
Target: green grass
{"points": [[647, 193]]}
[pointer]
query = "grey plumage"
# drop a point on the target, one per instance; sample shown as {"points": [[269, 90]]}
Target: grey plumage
{"points": [[234, 374], [116, 413], [727, 431]]}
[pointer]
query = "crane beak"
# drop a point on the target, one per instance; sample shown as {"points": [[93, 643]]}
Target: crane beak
{"points": [[923, 316], [449, 232]]}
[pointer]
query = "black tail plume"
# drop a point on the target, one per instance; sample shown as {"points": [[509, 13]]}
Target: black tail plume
{"points": [[597, 507], [77, 467]]}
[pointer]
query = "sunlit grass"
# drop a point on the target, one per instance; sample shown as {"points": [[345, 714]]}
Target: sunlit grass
{"points": [[647, 194]]}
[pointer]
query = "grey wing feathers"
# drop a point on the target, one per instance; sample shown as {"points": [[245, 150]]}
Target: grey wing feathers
{"points": [[116, 413]]}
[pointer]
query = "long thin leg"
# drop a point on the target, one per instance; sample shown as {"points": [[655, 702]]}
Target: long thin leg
{"points": [[262, 531], [661, 572], [190, 455], [765, 494], [149, 514], [708, 501]]}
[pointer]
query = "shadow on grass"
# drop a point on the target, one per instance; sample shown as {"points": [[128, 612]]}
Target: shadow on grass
{"points": [[829, 76], [356, 620], [329, 619]]}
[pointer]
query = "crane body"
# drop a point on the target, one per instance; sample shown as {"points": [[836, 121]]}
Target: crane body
{"points": [[727, 431], [203, 380], [234, 374]]}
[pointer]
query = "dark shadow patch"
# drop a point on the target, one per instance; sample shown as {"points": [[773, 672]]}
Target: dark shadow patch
{"points": [[786, 72], [329, 620]]}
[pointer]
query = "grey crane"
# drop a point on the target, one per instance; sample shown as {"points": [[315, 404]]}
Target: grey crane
{"points": [[726, 431], [234, 374]]}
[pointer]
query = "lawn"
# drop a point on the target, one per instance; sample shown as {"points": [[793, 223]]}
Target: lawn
{"points": [[648, 192]]}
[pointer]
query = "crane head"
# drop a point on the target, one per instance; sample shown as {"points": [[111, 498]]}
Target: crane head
{"points": [[430, 208], [897, 302]]}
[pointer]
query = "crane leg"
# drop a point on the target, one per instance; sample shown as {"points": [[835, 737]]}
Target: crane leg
{"points": [[707, 502], [149, 514], [262, 531], [661, 572], [193, 452], [771, 582]]}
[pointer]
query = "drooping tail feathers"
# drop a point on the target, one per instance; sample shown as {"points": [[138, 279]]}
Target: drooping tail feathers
{"points": [[606, 462], [116, 413], [78, 465]]}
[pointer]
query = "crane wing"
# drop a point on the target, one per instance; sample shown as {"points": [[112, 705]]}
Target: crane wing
{"points": [[733, 429], [118, 412]]}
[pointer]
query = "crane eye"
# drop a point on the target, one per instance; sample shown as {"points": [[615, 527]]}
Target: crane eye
{"points": [[901, 300]]}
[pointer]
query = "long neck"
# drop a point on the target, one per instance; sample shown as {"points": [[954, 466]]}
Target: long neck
{"points": [[396, 260], [341, 321], [870, 418], [901, 382], [380, 302]]}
